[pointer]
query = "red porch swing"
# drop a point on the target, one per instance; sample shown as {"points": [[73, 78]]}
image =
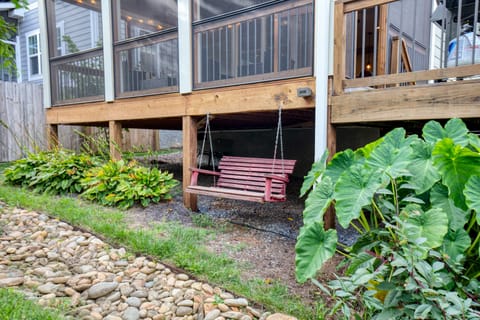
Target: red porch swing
{"points": [[245, 178]]}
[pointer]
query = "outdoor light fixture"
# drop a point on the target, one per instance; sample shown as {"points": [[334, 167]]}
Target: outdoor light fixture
{"points": [[304, 92]]}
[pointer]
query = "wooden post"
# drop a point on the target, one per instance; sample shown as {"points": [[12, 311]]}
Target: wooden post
{"points": [[382, 39], [115, 134], [52, 136], [339, 48], [189, 159], [329, 216]]}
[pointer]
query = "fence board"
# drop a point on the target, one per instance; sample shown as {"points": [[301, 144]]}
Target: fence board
{"points": [[22, 119]]}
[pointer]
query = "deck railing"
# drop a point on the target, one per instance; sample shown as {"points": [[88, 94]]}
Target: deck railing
{"points": [[264, 44], [387, 43], [78, 77], [147, 66]]}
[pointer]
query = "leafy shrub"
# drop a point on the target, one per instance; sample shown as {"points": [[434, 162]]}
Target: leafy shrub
{"points": [[415, 203], [57, 172], [119, 184]]}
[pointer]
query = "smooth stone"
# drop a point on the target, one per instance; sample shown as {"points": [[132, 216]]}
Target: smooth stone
{"points": [[240, 302], [10, 282], [185, 303], [280, 316], [131, 313], [134, 302], [233, 315], [47, 288], [139, 294], [212, 315], [183, 311], [101, 289]]}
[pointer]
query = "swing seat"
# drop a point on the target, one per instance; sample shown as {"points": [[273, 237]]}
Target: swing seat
{"points": [[249, 179]]}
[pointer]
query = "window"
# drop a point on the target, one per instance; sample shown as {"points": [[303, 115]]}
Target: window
{"points": [[60, 42], [34, 55]]}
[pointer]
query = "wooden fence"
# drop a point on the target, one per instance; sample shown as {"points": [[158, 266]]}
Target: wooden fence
{"points": [[23, 129], [22, 119]]}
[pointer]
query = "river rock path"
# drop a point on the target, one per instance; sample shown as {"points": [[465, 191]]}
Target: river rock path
{"points": [[49, 261]]}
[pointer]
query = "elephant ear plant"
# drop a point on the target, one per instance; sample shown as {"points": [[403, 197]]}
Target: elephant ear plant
{"points": [[415, 203]]}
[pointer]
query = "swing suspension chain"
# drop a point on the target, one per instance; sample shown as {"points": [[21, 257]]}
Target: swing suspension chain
{"points": [[208, 132], [207, 125], [279, 137]]}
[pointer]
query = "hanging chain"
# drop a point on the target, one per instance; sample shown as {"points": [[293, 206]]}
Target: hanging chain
{"points": [[207, 125], [279, 136]]}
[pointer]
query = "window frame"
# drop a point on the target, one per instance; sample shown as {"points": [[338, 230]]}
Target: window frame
{"points": [[30, 76]]}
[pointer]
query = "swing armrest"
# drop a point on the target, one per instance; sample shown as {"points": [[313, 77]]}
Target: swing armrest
{"points": [[196, 172], [276, 177]]}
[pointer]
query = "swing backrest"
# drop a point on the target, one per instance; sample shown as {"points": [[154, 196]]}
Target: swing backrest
{"points": [[249, 173]]}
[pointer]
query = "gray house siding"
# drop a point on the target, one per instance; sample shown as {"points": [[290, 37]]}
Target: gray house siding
{"points": [[28, 24]]}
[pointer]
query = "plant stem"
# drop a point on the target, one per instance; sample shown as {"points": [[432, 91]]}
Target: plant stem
{"points": [[469, 251], [472, 222], [356, 227], [363, 221]]}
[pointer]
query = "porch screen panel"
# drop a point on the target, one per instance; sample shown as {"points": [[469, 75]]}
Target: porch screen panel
{"points": [[271, 42], [78, 78], [76, 51], [139, 18], [146, 47], [148, 67]]}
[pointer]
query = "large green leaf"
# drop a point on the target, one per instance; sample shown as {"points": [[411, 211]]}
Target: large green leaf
{"points": [[431, 225], [455, 243], [439, 199], [354, 190], [339, 164], [317, 169], [455, 129], [423, 173], [392, 155], [456, 164], [474, 141], [314, 247], [472, 195], [318, 201]]}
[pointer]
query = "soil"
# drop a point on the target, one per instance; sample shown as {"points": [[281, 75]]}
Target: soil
{"points": [[260, 236]]}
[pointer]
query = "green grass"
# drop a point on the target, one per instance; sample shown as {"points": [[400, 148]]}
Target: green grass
{"points": [[14, 306], [170, 242], [4, 165]]}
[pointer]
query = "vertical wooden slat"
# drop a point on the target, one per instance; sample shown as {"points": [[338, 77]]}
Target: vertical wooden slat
{"points": [[382, 39], [115, 130], [189, 159], [339, 47]]}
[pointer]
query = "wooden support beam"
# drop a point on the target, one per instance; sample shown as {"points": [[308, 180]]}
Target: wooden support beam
{"points": [[258, 97], [52, 136], [354, 5], [339, 48], [115, 136], [421, 102], [329, 217], [189, 125], [382, 39]]}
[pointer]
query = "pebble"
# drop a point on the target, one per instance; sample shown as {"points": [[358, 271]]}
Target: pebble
{"points": [[103, 282]]}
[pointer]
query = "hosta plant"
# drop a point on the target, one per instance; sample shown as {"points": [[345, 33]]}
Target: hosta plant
{"points": [[414, 202], [123, 184], [56, 172]]}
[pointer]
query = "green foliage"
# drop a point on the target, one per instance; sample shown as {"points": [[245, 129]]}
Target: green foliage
{"points": [[414, 202], [121, 184], [14, 306], [7, 31], [57, 172]]}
